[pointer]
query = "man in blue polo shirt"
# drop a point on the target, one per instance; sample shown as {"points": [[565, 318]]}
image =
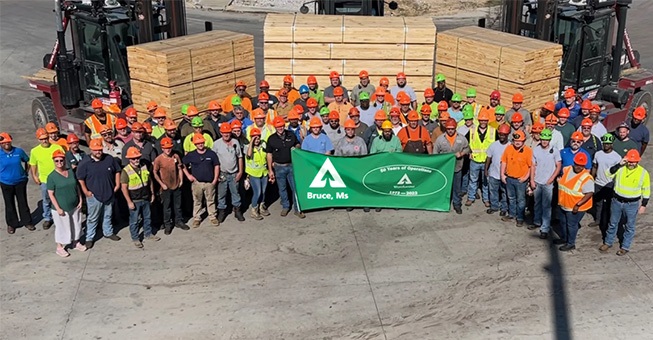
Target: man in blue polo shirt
{"points": [[317, 141], [567, 154], [13, 181]]}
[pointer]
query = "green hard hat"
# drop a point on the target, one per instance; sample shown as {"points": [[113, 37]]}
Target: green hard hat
{"points": [[500, 110], [324, 111], [456, 97], [236, 101], [184, 109], [471, 92], [468, 112], [607, 138], [439, 77], [546, 134], [196, 122], [364, 96]]}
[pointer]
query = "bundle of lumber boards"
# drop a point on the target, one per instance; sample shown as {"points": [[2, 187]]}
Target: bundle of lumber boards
{"points": [[303, 45], [491, 60], [192, 69]]}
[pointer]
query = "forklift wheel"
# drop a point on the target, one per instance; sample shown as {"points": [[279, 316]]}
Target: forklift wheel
{"points": [[43, 112]]}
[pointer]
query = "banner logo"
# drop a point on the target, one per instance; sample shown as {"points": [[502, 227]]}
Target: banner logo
{"points": [[320, 180], [405, 180]]}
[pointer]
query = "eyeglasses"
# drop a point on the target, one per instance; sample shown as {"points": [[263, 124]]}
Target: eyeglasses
{"points": [[59, 160]]}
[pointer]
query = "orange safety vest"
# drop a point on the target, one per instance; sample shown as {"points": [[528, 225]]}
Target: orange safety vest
{"points": [[94, 124], [570, 189]]}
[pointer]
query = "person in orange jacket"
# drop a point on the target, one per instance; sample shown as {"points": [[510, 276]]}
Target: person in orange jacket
{"points": [[240, 91], [53, 132], [291, 92]]}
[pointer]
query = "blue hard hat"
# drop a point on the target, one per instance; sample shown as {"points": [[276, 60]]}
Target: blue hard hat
{"points": [[303, 89]]}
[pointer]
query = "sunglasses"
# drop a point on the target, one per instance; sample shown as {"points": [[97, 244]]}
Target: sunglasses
{"points": [[59, 160]]}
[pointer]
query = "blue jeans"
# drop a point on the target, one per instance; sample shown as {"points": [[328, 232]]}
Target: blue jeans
{"points": [[231, 184], [476, 171], [142, 207], [497, 194], [47, 204], [617, 210], [97, 209], [259, 184], [456, 189], [516, 198], [542, 197], [284, 178], [569, 225]]}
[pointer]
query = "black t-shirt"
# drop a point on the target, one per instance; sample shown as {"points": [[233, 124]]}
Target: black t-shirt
{"points": [[148, 152], [103, 121], [280, 146], [177, 145], [100, 176], [441, 95], [202, 166]]}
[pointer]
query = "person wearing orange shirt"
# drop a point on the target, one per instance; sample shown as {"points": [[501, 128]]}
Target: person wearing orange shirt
{"points": [[53, 132], [385, 83], [516, 164], [240, 91], [575, 191], [415, 138], [291, 92], [380, 102], [340, 104]]}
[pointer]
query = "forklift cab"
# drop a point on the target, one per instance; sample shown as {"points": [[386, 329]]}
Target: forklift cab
{"points": [[348, 7]]}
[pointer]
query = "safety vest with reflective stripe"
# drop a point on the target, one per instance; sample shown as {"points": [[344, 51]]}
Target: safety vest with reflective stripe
{"points": [[137, 181], [631, 183], [257, 165], [570, 189], [479, 149], [266, 131], [95, 125]]}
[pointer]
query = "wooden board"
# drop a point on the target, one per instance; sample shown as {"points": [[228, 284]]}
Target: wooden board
{"points": [[419, 84], [42, 74], [284, 50]]}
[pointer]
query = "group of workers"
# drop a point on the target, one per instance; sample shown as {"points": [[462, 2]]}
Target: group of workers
{"points": [[509, 158]]}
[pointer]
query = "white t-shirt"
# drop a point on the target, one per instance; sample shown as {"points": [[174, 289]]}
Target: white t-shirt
{"points": [[604, 161], [495, 150]]}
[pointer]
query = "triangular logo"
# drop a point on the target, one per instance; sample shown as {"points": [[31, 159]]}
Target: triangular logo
{"points": [[404, 180], [320, 180]]}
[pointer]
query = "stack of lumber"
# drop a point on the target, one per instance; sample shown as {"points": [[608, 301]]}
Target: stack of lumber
{"points": [[490, 60], [303, 45], [192, 69]]}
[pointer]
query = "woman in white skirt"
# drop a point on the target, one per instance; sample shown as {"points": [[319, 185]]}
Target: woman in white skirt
{"points": [[67, 206]]}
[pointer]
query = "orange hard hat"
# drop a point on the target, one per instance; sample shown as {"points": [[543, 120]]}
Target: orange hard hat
{"points": [[551, 119], [425, 109], [121, 124], [380, 115], [395, 112], [549, 106], [225, 127], [401, 75], [563, 113], [5, 137], [148, 127], [517, 117], [283, 92], [354, 112], [633, 156], [214, 105], [518, 98], [260, 115], [311, 102], [315, 122], [349, 124], [97, 103], [338, 91], [96, 144], [104, 128], [639, 113], [580, 159], [412, 115], [72, 138], [41, 133], [58, 154], [160, 113], [334, 115], [519, 136], [131, 112], [537, 127], [585, 105], [263, 83], [240, 83], [577, 136], [236, 124], [379, 91], [169, 124], [334, 74], [495, 95], [311, 80], [363, 74], [595, 108], [298, 108], [403, 99], [293, 114], [254, 131], [483, 115], [138, 127], [569, 93], [586, 123], [198, 138], [288, 79], [263, 97], [450, 124], [278, 122], [152, 105], [166, 143], [51, 127], [192, 111], [113, 108], [133, 152], [504, 129], [444, 116], [429, 92], [443, 106], [384, 81]]}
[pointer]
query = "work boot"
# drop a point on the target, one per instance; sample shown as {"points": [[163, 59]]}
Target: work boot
{"points": [[366, 209], [593, 224], [284, 212], [222, 215], [567, 247], [503, 213], [138, 244], [604, 248], [239, 214], [215, 221], [533, 227], [47, 225], [114, 237], [168, 229], [520, 223], [300, 214], [181, 225], [507, 218], [89, 244], [458, 210], [468, 203], [350, 209], [544, 236], [255, 214], [196, 223], [490, 211], [377, 209], [153, 238], [263, 210], [30, 227]]}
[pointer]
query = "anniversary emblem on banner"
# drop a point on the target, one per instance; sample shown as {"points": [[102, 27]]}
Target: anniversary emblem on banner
{"points": [[387, 180]]}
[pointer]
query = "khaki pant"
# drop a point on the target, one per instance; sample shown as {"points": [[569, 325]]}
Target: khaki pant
{"points": [[203, 190]]}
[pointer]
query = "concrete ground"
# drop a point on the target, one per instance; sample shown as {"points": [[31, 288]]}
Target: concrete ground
{"points": [[333, 275]]}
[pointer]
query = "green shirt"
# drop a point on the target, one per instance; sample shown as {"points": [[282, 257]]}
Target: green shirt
{"points": [[65, 190], [379, 144], [42, 158], [622, 147], [318, 95]]}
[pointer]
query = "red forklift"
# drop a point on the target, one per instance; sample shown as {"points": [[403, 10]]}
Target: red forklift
{"points": [[597, 67]]}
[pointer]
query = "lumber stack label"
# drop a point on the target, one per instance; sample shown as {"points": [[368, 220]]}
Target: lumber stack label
{"points": [[192, 69]]}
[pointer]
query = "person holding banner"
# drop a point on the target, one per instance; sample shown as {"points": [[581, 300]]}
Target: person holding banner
{"points": [[414, 137], [316, 141], [351, 144], [453, 142]]}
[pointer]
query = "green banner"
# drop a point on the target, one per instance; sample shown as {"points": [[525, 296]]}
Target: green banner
{"points": [[385, 180]]}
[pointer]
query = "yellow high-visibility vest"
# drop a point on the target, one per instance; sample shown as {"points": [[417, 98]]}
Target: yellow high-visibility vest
{"points": [[631, 183], [479, 149]]}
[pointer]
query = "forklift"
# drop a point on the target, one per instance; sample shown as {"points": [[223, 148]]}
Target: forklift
{"points": [[596, 67], [96, 66], [348, 7]]}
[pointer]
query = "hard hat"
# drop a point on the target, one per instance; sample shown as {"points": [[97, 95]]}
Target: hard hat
{"points": [[133, 152], [363, 74], [349, 124], [412, 115], [240, 83], [517, 117], [264, 83], [439, 78], [104, 128], [517, 98], [113, 108], [334, 115], [504, 129], [225, 127], [499, 110], [450, 124], [633, 156], [169, 124], [495, 95], [471, 92], [159, 112], [364, 95], [563, 113], [380, 115], [577, 136], [311, 80], [51, 127], [192, 111], [443, 106], [288, 79], [623, 125], [236, 125], [639, 113], [549, 106], [293, 114], [166, 143], [97, 103], [214, 105], [334, 74], [283, 92], [278, 122], [395, 112], [444, 116], [425, 109], [595, 108], [148, 127], [254, 131], [151, 105], [121, 124], [546, 134], [519, 136], [58, 154], [483, 115], [311, 102], [387, 125], [303, 89], [384, 81], [585, 105], [354, 112], [198, 138], [138, 127], [586, 123], [401, 75], [428, 92], [456, 98], [263, 97], [380, 91], [338, 91], [260, 115], [537, 127], [197, 122], [468, 112], [131, 113], [298, 108], [608, 138], [570, 93], [580, 158], [551, 119], [236, 101], [72, 138], [403, 99], [324, 111], [184, 109], [41, 133], [96, 144]]}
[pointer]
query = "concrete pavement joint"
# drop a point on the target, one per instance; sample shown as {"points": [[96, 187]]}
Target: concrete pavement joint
{"points": [[376, 306], [640, 268], [72, 305]]}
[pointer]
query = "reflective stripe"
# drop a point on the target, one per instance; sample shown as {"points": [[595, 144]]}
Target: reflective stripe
{"points": [[632, 183], [94, 124], [257, 165], [479, 149], [137, 181], [570, 191]]}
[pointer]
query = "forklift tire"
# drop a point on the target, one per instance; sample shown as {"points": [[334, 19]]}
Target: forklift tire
{"points": [[43, 112], [641, 98]]}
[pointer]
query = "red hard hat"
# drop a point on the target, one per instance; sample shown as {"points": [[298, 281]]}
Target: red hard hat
{"points": [[215, 105], [133, 152], [495, 95], [240, 83], [138, 127], [380, 115], [384, 81], [159, 113], [166, 143], [311, 102], [563, 113], [58, 154], [152, 105], [551, 119], [429, 92], [363, 74], [516, 117], [121, 123], [225, 127], [585, 105], [298, 108], [580, 159], [311, 80], [51, 127], [586, 122], [537, 127], [315, 122], [131, 112], [96, 103], [443, 106], [334, 74], [263, 83], [569, 93], [450, 124], [334, 115], [192, 111], [260, 115], [395, 112], [595, 108], [96, 144], [169, 124], [287, 79], [518, 98], [412, 115], [403, 98], [338, 91], [72, 138], [236, 124], [639, 113], [577, 136], [198, 138], [504, 129], [254, 131], [549, 106], [401, 75], [354, 112], [278, 122], [425, 109], [519, 136], [633, 156], [263, 97], [293, 114]]}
